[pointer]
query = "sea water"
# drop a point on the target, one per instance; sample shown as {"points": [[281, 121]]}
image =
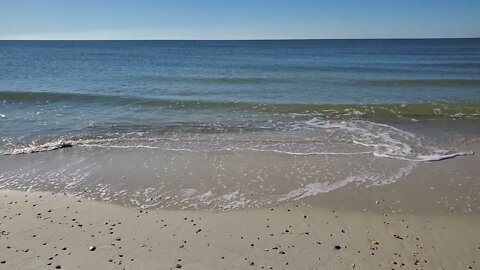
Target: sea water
{"points": [[229, 124]]}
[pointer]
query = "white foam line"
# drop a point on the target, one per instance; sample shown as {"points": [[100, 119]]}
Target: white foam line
{"points": [[392, 127], [228, 149], [428, 158], [313, 189], [308, 153], [136, 146]]}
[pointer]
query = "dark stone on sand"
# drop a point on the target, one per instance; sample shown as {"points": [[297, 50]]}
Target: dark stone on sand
{"points": [[398, 236], [92, 248], [337, 247]]}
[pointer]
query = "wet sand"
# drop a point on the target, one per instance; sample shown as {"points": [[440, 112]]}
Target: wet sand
{"points": [[51, 231], [449, 187]]}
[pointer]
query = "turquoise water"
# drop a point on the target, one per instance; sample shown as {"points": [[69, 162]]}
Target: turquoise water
{"points": [[231, 124]]}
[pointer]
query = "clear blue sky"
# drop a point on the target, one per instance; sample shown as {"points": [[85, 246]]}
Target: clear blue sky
{"points": [[237, 19]]}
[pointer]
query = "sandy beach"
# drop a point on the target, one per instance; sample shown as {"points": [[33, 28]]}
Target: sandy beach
{"points": [[51, 231]]}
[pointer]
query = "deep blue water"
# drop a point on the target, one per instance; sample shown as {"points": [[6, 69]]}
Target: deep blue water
{"points": [[314, 71]]}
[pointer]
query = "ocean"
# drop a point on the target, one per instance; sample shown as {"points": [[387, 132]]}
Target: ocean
{"points": [[231, 124]]}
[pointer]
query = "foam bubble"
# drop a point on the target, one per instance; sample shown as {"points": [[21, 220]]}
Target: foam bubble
{"points": [[385, 140], [313, 189]]}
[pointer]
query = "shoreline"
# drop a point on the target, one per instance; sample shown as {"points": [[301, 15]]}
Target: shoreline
{"points": [[440, 187], [45, 230], [221, 176]]}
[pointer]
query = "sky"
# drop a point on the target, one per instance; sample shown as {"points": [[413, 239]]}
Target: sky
{"points": [[238, 19]]}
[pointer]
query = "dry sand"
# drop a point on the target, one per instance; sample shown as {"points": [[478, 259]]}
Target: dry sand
{"points": [[50, 231]]}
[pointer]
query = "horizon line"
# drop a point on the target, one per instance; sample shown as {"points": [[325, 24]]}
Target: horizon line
{"points": [[260, 39]]}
